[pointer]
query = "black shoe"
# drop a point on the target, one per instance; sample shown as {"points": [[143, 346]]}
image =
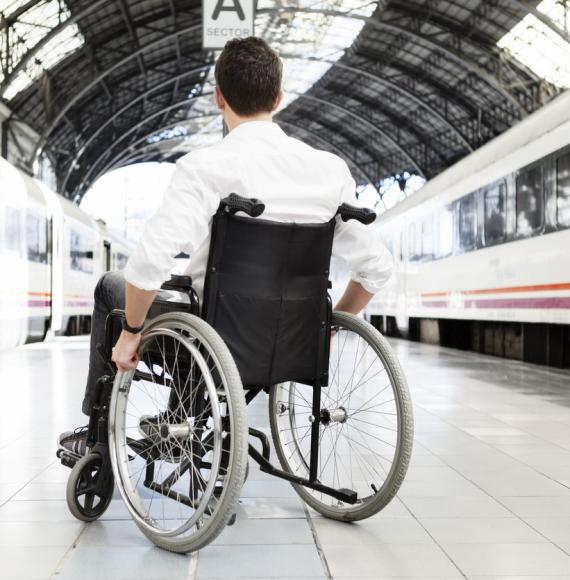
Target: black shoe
{"points": [[74, 442]]}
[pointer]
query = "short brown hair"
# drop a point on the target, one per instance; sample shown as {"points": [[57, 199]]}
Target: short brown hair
{"points": [[248, 74]]}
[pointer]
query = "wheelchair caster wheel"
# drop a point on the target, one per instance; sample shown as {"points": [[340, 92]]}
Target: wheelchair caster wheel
{"points": [[83, 500]]}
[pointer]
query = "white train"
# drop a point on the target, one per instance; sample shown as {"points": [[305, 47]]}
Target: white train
{"points": [[51, 256], [482, 251]]}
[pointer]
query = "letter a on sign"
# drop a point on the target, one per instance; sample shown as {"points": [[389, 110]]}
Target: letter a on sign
{"points": [[226, 19]]}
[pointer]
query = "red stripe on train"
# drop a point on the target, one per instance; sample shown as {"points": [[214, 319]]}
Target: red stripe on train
{"points": [[552, 302]]}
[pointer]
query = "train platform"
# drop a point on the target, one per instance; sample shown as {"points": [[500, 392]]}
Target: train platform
{"points": [[487, 495]]}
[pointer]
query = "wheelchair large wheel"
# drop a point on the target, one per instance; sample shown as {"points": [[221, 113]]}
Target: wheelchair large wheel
{"points": [[366, 430], [178, 434]]}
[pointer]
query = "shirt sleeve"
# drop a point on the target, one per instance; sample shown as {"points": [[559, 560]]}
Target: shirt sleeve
{"points": [[368, 259], [181, 222]]}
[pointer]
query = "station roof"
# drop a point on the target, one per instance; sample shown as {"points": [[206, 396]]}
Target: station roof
{"points": [[398, 88]]}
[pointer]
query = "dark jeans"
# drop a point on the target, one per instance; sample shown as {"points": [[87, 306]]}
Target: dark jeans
{"points": [[109, 294]]}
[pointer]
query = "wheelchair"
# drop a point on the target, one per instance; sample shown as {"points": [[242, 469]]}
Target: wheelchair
{"points": [[173, 434]]}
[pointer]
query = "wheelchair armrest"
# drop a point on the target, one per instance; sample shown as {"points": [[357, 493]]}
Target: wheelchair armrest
{"points": [[351, 212], [181, 285], [233, 203], [178, 283]]}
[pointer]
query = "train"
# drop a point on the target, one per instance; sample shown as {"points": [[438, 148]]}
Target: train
{"points": [[482, 251], [51, 256]]}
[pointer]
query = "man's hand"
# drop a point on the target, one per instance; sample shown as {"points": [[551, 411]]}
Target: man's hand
{"points": [[125, 353]]}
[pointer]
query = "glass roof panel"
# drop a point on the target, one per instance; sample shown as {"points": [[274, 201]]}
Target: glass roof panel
{"points": [[539, 47], [309, 43], [31, 28]]}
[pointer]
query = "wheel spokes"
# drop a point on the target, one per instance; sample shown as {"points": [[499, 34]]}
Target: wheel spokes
{"points": [[359, 421], [170, 482]]}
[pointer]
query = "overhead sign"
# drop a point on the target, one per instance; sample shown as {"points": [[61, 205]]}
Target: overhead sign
{"points": [[226, 19]]}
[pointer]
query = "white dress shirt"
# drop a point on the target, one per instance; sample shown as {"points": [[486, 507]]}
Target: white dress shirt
{"points": [[256, 159]]}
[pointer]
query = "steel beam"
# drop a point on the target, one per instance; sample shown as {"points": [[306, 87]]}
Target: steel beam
{"points": [[190, 72], [392, 85], [116, 163], [133, 34], [31, 52], [135, 127], [103, 75], [460, 60], [546, 20], [124, 108], [366, 123], [299, 95], [186, 102]]}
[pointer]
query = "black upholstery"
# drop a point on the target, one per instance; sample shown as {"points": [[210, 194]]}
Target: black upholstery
{"points": [[266, 295]]}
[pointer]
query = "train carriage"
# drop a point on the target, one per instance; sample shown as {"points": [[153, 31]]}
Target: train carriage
{"points": [[482, 252], [51, 254]]}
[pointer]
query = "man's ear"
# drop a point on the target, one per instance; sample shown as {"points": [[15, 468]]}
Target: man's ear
{"points": [[277, 101], [219, 98]]}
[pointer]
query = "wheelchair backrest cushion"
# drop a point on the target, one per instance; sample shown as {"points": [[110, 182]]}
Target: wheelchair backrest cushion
{"points": [[266, 295]]}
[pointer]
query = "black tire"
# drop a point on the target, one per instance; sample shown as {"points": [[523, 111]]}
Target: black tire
{"points": [[84, 504]]}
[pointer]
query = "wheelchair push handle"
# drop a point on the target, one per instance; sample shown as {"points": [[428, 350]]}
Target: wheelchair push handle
{"points": [[351, 212], [233, 203]]}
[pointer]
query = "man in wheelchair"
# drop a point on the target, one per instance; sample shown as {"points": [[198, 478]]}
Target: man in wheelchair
{"points": [[257, 316]]}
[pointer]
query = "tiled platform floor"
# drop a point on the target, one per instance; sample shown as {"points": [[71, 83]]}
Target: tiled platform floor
{"points": [[487, 495]]}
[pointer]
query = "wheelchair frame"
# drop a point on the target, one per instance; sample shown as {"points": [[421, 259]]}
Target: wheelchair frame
{"points": [[97, 434], [182, 284]]}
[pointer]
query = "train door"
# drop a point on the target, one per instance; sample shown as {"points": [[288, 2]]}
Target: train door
{"points": [[57, 277], [401, 259], [106, 256]]}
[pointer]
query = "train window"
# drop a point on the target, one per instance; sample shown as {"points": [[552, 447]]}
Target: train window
{"points": [[12, 231], [495, 214], [468, 223], [36, 237], [427, 238], [414, 243], [445, 232], [81, 252], [530, 201], [402, 247], [120, 260], [563, 189]]}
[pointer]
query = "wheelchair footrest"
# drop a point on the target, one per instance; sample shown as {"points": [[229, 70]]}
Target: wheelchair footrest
{"points": [[346, 495], [350, 495], [67, 458]]}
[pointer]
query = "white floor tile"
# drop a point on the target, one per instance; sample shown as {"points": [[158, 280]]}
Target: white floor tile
{"points": [[509, 559], [489, 479], [30, 562], [259, 562], [538, 506], [481, 530], [556, 529], [389, 560], [29, 534], [121, 563], [371, 532], [456, 507]]}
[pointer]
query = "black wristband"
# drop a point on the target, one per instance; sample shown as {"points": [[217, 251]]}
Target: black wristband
{"points": [[132, 329]]}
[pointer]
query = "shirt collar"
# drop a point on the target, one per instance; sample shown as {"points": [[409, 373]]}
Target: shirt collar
{"points": [[255, 128]]}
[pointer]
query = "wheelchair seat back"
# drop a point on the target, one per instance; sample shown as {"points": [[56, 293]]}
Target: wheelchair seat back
{"points": [[266, 295]]}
